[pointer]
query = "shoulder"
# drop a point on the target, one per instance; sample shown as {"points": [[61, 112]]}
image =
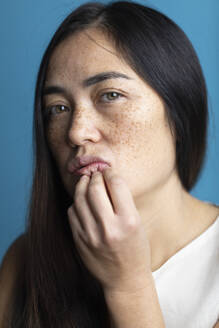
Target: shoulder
{"points": [[216, 325], [12, 258], [10, 269]]}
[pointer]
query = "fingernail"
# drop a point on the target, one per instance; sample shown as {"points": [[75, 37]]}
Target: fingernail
{"points": [[84, 176]]}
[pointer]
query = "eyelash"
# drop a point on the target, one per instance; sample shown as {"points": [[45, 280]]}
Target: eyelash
{"points": [[49, 108]]}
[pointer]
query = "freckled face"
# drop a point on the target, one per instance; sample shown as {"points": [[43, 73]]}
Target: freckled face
{"points": [[127, 126]]}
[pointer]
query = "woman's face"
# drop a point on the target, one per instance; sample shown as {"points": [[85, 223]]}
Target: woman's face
{"points": [[121, 120]]}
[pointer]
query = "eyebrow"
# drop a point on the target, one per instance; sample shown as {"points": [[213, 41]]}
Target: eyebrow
{"points": [[88, 82]]}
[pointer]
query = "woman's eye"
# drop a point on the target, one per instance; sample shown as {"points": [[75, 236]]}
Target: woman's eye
{"points": [[56, 109], [111, 96]]}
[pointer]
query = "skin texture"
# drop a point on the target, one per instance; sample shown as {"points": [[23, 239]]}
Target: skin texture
{"points": [[131, 132]]}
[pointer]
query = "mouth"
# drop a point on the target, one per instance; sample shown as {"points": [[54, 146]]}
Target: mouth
{"points": [[86, 165], [91, 168]]}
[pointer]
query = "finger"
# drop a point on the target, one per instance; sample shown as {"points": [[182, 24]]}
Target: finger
{"points": [[120, 194], [79, 236], [100, 204], [78, 197], [83, 211], [76, 228], [99, 201]]}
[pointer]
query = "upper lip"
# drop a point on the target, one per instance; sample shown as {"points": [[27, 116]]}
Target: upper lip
{"points": [[79, 162]]}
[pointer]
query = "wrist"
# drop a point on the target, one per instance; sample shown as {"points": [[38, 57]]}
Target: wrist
{"points": [[130, 287], [130, 305]]}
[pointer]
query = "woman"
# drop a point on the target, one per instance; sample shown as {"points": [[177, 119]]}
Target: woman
{"points": [[121, 240]]}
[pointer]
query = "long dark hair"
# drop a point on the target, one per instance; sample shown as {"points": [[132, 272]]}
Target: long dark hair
{"points": [[57, 289]]}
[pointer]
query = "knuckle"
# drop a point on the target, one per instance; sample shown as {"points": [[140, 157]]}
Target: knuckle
{"points": [[94, 237], [78, 199], [132, 222], [111, 237], [79, 204], [131, 225], [94, 242]]}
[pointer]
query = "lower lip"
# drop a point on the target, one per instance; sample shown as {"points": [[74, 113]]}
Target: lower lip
{"points": [[89, 169]]}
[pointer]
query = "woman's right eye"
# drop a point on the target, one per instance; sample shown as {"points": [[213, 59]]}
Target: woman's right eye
{"points": [[56, 109]]}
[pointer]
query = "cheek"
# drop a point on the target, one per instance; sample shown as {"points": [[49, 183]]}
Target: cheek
{"points": [[143, 146], [123, 127], [130, 130], [142, 128]]}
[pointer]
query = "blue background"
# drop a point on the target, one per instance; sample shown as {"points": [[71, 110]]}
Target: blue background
{"points": [[26, 27]]}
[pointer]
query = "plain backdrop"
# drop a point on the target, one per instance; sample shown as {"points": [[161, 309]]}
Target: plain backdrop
{"points": [[26, 27]]}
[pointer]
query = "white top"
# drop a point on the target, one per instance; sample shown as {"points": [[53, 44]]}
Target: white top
{"points": [[187, 283]]}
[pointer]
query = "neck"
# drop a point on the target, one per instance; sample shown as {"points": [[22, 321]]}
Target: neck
{"points": [[165, 212]]}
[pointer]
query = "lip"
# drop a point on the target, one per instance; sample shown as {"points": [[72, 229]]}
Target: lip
{"points": [[89, 169], [75, 166]]}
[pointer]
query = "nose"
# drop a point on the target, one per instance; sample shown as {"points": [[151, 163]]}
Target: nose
{"points": [[83, 127]]}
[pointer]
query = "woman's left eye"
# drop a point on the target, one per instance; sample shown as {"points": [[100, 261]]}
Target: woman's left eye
{"points": [[115, 95]]}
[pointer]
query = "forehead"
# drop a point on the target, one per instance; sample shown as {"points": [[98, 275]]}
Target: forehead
{"points": [[84, 54]]}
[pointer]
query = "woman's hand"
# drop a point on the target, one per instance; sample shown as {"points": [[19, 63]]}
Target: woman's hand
{"points": [[109, 233]]}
